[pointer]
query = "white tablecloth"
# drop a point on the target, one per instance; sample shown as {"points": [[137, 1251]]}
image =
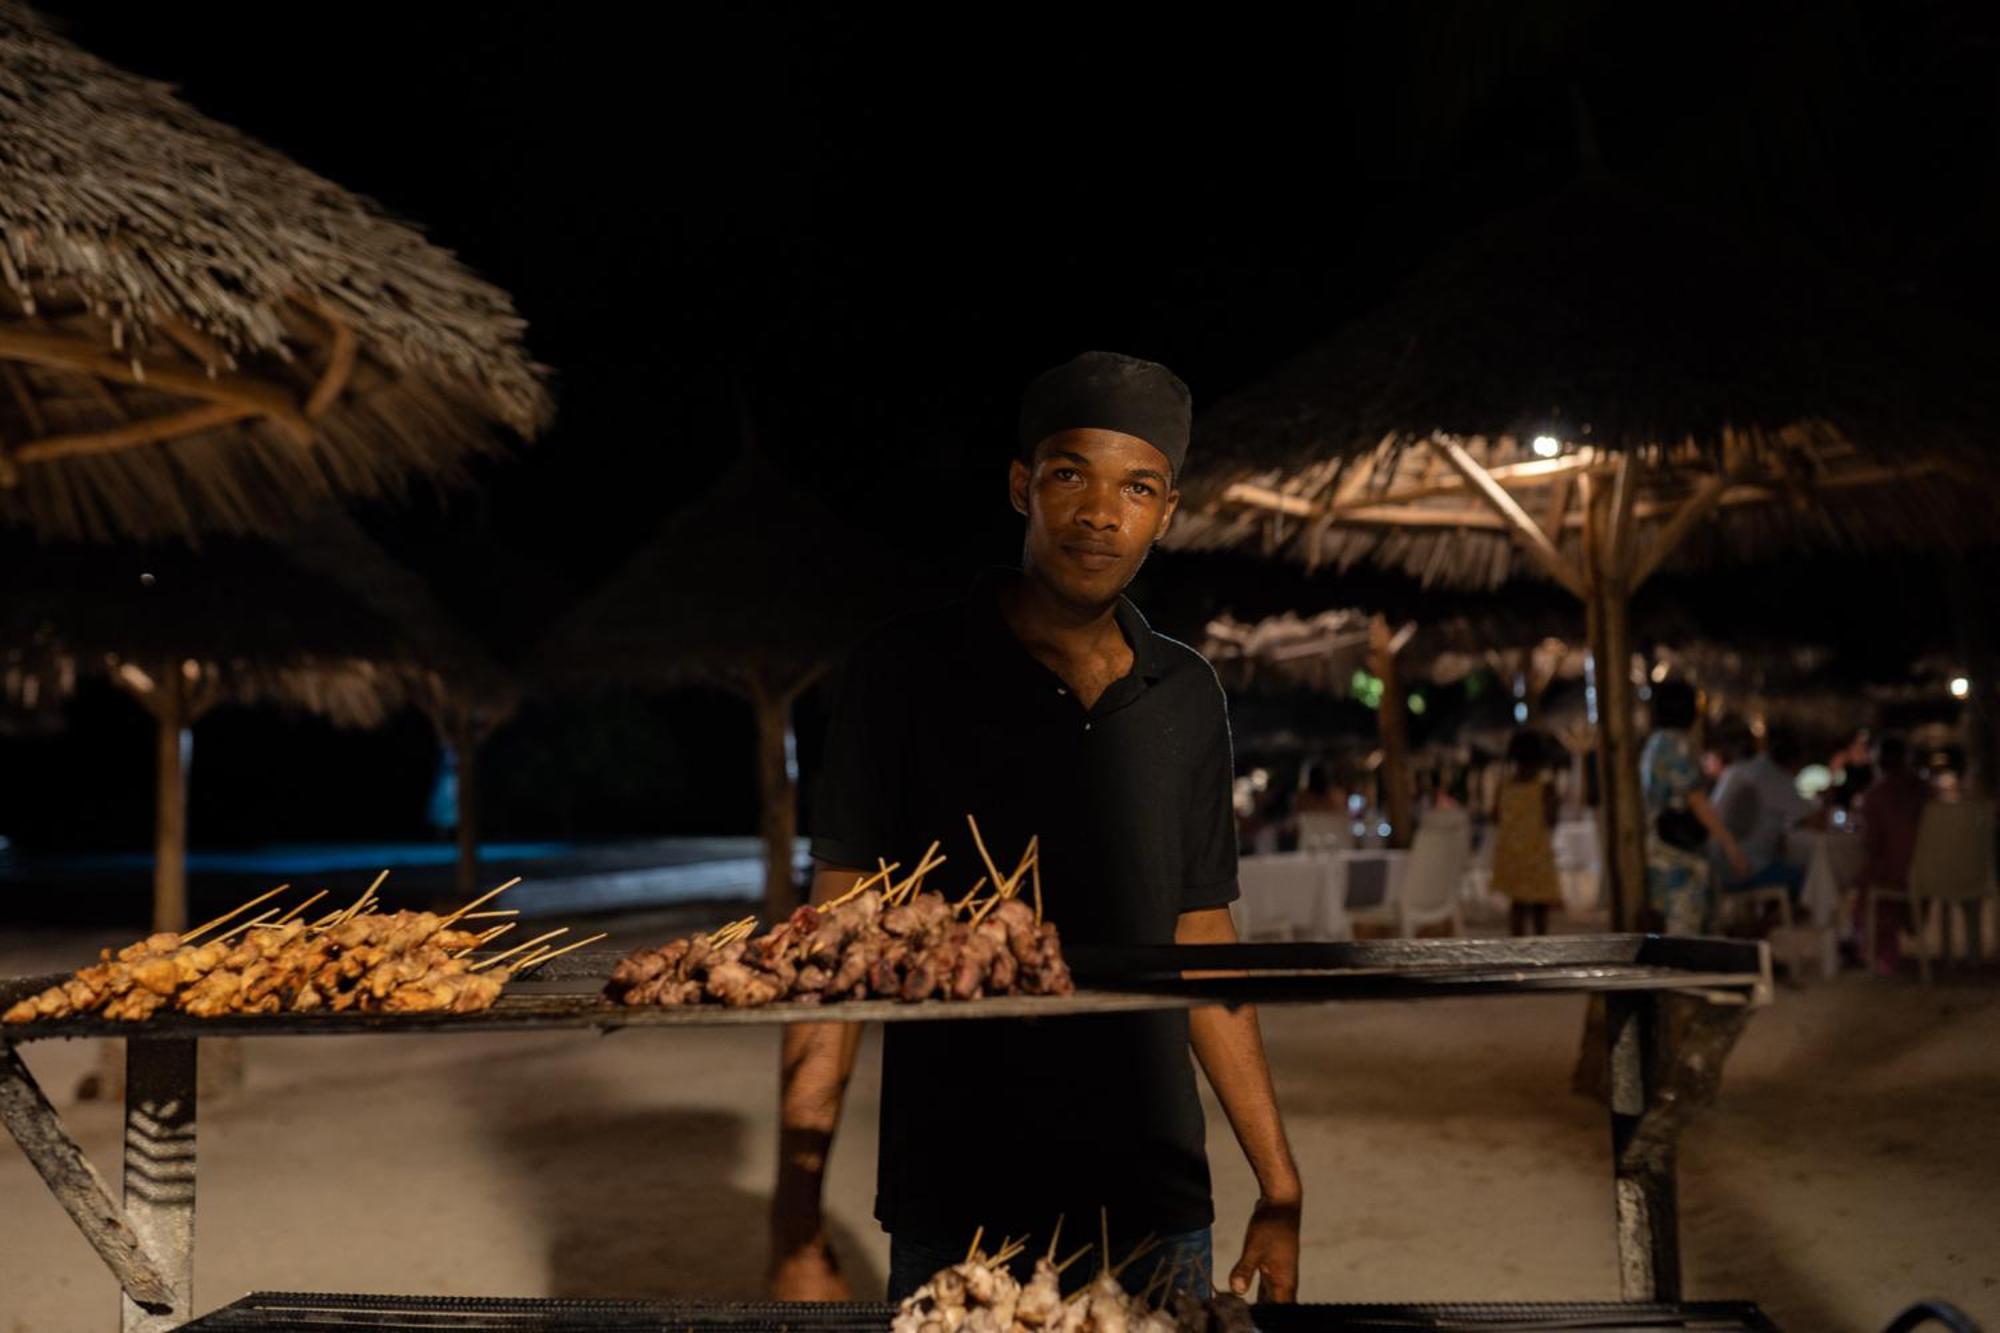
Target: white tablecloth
{"points": [[1579, 862], [1307, 896], [1833, 863]]}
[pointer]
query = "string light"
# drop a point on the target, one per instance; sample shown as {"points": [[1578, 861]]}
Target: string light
{"points": [[1546, 446], [1960, 687]]}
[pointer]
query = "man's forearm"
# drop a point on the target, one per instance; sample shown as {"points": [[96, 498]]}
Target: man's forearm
{"points": [[1230, 1047], [816, 1061], [818, 1058]]}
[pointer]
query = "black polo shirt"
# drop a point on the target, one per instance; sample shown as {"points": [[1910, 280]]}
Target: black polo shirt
{"points": [[1008, 1124]]}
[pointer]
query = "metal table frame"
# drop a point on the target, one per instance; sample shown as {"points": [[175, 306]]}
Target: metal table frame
{"points": [[1673, 1010]]}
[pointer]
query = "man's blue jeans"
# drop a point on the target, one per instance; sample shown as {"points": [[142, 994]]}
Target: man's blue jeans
{"points": [[913, 1260]]}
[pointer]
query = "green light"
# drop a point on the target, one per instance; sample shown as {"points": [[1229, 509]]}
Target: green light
{"points": [[1417, 704]]}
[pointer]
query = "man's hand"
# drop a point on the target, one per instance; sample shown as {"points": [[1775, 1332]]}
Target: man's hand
{"points": [[1270, 1252], [808, 1273]]}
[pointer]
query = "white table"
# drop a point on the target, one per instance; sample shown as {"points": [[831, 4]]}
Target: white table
{"points": [[1579, 863], [1833, 863], [1307, 895]]}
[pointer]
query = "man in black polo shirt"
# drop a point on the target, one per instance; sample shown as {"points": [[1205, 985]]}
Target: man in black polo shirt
{"points": [[1044, 705]]}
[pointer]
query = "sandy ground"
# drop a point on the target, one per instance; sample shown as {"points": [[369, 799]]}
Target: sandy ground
{"points": [[1849, 1168]]}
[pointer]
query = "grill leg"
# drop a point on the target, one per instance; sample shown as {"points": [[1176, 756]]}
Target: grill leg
{"points": [[1649, 1259], [160, 1170]]}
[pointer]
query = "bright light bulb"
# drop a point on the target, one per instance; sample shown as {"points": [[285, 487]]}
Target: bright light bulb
{"points": [[1547, 446], [1960, 687], [1659, 672], [1520, 712]]}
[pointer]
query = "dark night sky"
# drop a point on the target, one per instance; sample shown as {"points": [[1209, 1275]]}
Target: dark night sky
{"points": [[882, 224]]}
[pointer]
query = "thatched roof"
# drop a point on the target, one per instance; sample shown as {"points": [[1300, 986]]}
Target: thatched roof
{"points": [[260, 623], [196, 332], [756, 577], [1612, 323]]}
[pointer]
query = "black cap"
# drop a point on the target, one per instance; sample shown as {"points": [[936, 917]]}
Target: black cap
{"points": [[1106, 391]]}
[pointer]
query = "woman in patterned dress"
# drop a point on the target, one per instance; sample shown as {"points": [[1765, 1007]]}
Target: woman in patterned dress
{"points": [[1524, 859], [1677, 888]]}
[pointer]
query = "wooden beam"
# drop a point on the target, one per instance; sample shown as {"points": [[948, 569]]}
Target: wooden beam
{"points": [[17, 384], [1410, 516], [63, 352], [1263, 497], [197, 344], [152, 430], [76, 1185], [339, 366], [1537, 543], [1706, 498]]}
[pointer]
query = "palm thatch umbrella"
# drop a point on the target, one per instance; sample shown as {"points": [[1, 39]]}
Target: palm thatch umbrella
{"points": [[241, 622], [756, 586], [198, 334], [1592, 389]]}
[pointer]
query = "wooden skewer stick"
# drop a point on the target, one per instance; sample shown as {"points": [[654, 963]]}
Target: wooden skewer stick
{"points": [[972, 893], [972, 1251], [924, 867], [992, 871], [498, 911], [986, 907], [542, 957], [1144, 1247], [489, 895], [1074, 1257], [362, 901], [1035, 874], [861, 886], [1055, 1238], [1104, 1232], [488, 962], [1007, 1252], [301, 907], [253, 921], [232, 913], [486, 939], [1013, 881]]}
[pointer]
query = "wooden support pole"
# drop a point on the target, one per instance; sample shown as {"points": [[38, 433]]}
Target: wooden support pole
{"points": [[160, 1170], [1619, 815], [1643, 1182], [1525, 530], [1392, 722], [33, 1122], [173, 744], [777, 794]]}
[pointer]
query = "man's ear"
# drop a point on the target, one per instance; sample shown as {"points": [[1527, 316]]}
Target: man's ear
{"points": [[1018, 477], [1167, 515]]}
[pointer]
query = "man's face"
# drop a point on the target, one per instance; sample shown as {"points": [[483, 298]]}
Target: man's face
{"points": [[1096, 502]]}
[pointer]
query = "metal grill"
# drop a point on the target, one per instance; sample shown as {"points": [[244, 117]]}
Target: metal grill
{"points": [[282, 1312]]}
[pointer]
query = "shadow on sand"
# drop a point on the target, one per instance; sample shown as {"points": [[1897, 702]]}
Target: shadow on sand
{"points": [[644, 1204]]}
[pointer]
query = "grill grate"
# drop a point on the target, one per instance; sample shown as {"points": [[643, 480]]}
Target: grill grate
{"points": [[293, 1312]]}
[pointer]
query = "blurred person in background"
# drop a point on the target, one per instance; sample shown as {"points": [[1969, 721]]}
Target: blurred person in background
{"points": [[1889, 812], [1524, 858], [1680, 820], [1759, 801]]}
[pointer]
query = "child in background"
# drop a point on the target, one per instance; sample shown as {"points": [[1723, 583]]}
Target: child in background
{"points": [[1524, 858]]}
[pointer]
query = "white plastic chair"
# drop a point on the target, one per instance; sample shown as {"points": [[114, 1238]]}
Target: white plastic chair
{"points": [[1951, 864], [1428, 889]]}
